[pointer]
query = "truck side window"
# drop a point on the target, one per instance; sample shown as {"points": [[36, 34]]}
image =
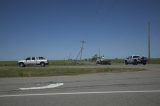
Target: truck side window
{"points": [[28, 58], [33, 58]]}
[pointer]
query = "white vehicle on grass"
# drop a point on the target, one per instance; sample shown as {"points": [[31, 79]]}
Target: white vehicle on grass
{"points": [[136, 59], [33, 61]]}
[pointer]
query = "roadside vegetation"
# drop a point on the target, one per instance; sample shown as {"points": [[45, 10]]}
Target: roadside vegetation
{"points": [[8, 63], [34, 71], [121, 61], [155, 61], [71, 62], [62, 67]]}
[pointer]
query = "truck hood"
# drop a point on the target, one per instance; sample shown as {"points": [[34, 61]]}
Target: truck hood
{"points": [[21, 61]]}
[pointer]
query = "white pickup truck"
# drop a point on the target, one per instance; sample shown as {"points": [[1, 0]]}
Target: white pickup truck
{"points": [[136, 59], [33, 61]]}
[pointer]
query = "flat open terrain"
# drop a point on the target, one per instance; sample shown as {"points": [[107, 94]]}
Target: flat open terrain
{"points": [[140, 88], [59, 70]]}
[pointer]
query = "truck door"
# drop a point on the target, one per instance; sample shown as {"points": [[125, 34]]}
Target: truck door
{"points": [[33, 60], [28, 60], [130, 59]]}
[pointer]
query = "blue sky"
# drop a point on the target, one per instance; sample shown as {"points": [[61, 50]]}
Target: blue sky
{"points": [[54, 28]]}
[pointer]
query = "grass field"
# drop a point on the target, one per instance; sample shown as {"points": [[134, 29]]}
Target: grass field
{"points": [[121, 61], [65, 62], [13, 71], [61, 67], [155, 61], [51, 62]]}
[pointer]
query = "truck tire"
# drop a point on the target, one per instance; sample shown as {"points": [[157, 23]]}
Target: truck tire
{"points": [[42, 64], [109, 63], [126, 63], [144, 63], [135, 62], [97, 62], [21, 64]]}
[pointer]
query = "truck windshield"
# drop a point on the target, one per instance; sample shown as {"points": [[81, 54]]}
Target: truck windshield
{"points": [[135, 56]]}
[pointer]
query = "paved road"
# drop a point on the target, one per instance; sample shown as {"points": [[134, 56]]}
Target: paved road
{"points": [[113, 89]]}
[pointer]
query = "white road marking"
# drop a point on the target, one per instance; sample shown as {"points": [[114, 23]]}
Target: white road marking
{"points": [[43, 87], [80, 93]]}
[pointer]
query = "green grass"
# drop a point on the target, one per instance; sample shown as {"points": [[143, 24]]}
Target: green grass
{"points": [[121, 61], [51, 62], [117, 61], [155, 61], [8, 63], [61, 67], [13, 71], [66, 62]]}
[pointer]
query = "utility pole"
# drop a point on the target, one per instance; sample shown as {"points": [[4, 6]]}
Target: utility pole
{"points": [[99, 53], [149, 41], [82, 49]]}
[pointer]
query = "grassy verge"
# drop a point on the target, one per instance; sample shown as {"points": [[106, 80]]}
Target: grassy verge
{"points": [[155, 61], [8, 71], [51, 62], [121, 61], [66, 62], [8, 63], [117, 61]]}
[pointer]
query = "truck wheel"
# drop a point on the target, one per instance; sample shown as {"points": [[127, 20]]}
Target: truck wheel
{"points": [[135, 62], [144, 63], [21, 64], [109, 63], [97, 62], [42, 64], [126, 63]]}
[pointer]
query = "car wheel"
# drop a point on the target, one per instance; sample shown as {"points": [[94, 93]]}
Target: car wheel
{"points": [[42, 64], [144, 63], [135, 62], [21, 64], [97, 62], [126, 63], [109, 63]]}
